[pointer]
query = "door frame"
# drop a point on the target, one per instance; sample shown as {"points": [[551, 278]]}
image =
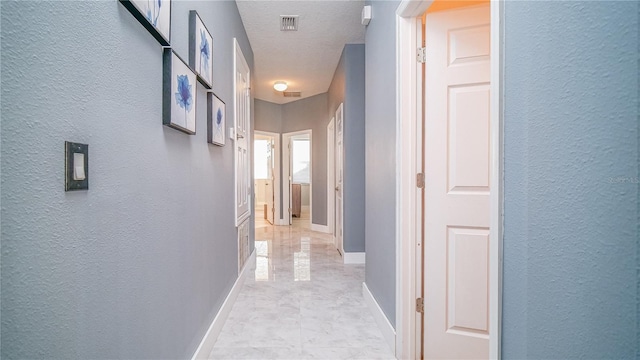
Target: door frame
{"points": [[286, 175], [409, 163], [276, 173], [331, 181]]}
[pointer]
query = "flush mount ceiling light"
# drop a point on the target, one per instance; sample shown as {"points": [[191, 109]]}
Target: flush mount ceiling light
{"points": [[280, 86]]}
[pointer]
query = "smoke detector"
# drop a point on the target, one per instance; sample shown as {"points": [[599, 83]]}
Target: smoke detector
{"points": [[289, 22]]}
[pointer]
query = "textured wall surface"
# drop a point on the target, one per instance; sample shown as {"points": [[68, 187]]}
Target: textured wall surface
{"points": [[347, 87], [571, 180], [137, 266], [354, 149], [380, 124]]}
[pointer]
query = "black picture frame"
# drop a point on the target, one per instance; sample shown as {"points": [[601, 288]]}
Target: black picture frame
{"points": [[135, 8], [216, 130], [205, 77], [178, 92]]}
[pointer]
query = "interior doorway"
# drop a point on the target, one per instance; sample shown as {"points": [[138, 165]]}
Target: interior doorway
{"points": [[298, 170], [266, 178], [449, 230]]}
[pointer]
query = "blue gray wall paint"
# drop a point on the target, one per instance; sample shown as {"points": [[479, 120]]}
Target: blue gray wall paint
{"points": [[380, 152], [138, 266], [347, 87], [571, 170]]}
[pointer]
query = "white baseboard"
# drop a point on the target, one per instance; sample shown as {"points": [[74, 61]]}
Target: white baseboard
{"points": [[353, 257], [388, 332], [320, 228], [281, 222], [210, 337]]}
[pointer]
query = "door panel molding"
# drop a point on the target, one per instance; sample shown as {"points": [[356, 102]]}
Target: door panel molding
{"points": [[241, 135]]}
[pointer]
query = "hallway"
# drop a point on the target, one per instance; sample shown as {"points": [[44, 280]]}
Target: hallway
{"points": [[300, 302]]}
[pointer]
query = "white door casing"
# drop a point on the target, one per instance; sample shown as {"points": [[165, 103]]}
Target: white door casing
{"points": [[270, 193], [339, 179], [275, 174], [331, 199], [287, 172], [242, 116], [457, 184]]}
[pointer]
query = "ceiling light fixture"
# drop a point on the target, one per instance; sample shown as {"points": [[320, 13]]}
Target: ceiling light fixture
{"points": [[280, 86]]}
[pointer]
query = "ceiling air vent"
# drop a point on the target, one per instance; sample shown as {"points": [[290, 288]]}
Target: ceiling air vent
{"points": [[291, 93], [288, 22]]}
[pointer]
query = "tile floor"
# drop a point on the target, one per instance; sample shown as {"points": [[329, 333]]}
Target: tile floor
{"points": [[301, 302]]}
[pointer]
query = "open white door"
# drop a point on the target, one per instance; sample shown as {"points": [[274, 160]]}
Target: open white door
{"points": [[339, 176], [457, 191], [269, 190], [242, 116]]}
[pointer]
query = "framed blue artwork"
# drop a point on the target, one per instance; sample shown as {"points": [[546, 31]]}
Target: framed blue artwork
{"points": [[178, 93], [216, 119], [200, 49], [154, 15]]}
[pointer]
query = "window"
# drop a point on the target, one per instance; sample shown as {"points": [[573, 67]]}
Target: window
{"points": [[261, 155], [301, 158]]}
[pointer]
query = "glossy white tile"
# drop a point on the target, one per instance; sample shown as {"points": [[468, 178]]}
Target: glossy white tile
{"points": [[301, 302]]}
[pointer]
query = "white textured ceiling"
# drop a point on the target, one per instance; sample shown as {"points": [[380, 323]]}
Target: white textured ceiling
{"points": [[306, 59]]}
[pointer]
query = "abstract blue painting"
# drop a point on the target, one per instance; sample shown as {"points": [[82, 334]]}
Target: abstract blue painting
{"points": [[179, 94], [200, 49], [154, 15], [216, 119]]}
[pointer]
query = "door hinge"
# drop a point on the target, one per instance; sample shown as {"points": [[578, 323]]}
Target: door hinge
{"points": [[422, 55], [420, 180], [420, 305]]}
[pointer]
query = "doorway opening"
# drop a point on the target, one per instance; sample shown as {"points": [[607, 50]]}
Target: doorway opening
{"points": [[266, 179], [298, 171]]}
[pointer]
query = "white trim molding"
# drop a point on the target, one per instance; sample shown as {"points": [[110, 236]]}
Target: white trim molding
{"points": [[353, 257], [320, 228], [388, 332], [208, 341], [409, 163]]}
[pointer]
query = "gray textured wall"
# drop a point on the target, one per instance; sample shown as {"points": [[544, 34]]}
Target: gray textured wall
{"points": [[380, 122], [354, 149], [138, 266], [571, 171], [347, 87]]}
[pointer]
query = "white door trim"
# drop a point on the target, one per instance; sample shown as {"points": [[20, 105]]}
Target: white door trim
{"points": [[286, 156], [331, 193], [408, 138], [409, 163], [276, 173]]}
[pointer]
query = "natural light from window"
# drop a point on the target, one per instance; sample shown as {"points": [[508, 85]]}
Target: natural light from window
{"points": [[261, 152], [301, 161]]}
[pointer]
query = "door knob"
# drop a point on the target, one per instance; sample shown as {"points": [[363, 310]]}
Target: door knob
{"points": [[239, 136], [337, 188]]}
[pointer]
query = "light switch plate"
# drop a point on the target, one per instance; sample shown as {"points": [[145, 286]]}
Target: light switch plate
{"points": [[70, 149]]}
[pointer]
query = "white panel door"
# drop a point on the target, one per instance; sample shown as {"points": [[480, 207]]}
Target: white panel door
{"points": [[242, 116], [456, 251], [339, 176], [269, 193]]}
